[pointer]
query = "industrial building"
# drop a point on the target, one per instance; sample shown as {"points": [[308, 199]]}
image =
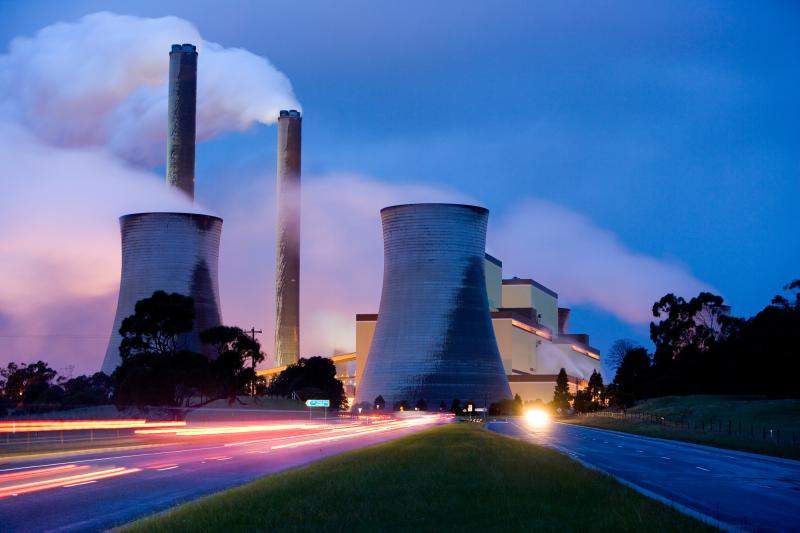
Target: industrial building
{"points": [[531, 332], [173, 252]]}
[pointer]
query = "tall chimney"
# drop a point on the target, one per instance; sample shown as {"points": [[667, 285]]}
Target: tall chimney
{"points": [[287, 269], [563, 320], [181, 112]]}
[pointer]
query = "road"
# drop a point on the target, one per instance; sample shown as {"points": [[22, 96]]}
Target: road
{"points": [[98, 491], [747, 491]]}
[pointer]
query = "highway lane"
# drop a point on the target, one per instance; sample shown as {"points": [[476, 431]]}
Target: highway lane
{"points": [[747, 491], [141, 482]]}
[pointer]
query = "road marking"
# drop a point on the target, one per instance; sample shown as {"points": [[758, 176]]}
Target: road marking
{"points": [[640, 451], [703, 469], [619, 445], [664, 457], [77, 484], [223, 458], [167, 468]]}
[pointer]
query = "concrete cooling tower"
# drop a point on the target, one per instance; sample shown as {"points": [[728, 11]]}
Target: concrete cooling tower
{"points": [[434, 338], [172, 252]]}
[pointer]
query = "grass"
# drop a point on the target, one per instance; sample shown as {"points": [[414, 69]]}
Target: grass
{"points": [[762, 414], [458, 477]]}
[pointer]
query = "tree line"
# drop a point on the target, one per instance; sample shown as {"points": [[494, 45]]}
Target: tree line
{"points": [[157, 368], [700, 348]]}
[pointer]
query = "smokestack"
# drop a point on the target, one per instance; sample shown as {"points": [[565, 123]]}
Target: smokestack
{"points": [[563, 320], [287, 269], [181, 112]]}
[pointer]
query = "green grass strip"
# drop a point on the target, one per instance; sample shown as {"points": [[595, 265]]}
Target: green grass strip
{"points": [[453, 478]]}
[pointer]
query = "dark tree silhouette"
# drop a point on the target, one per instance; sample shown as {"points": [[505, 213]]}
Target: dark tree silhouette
{"points": [[380, 403], [561, 394], [312, 378]]}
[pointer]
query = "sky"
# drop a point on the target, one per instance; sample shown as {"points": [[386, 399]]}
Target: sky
{"points": [[624, 149]]}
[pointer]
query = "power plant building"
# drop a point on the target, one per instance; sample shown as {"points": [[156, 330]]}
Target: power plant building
{"points": [[531, 332], [433, 338], [172, 252]]}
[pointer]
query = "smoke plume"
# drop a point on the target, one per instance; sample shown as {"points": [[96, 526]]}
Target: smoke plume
{"points": [[102, 81]]}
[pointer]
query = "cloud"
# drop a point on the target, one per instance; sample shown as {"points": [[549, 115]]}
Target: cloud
{"points": [[584, 263], [101, 81]]}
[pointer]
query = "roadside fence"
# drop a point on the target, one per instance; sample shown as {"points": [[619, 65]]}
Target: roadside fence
{"points": [[722, 426]]}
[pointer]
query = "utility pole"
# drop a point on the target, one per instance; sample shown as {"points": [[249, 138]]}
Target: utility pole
{"points": [[252, 331]]}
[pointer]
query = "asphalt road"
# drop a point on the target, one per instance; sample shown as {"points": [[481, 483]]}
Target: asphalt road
{"points": [[747, 491], [160, 477]]}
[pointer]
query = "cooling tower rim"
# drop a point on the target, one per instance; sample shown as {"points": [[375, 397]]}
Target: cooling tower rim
{"points": [[477, 208], [191, 215]]}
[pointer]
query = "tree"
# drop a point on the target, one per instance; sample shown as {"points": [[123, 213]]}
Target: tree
{"points": [[455, 407], [156, 368], [311, 378], [159, 325], [28, 384], [421, 405], [380, 403], [561, 394], [229, 370], [88, 390], [596, 389], [583, 401], [685, 339], [617, 351], [632, 377]]}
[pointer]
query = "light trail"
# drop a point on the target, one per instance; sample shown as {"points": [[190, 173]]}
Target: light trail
{"points": [[35, 486], [227, 430], [4, 478], [359, 433], [37, 426]]}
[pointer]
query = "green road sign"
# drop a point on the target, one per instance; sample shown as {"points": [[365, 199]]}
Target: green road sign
{"points": [[318, 403]]}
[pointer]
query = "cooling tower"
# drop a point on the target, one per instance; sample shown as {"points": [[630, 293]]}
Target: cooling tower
{"points": [[434, 338], [181, 113], [287, 256], [171, 252]]}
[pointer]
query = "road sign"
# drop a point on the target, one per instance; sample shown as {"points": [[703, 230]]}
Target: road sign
{"points": [[480, 409], [318, 403]]}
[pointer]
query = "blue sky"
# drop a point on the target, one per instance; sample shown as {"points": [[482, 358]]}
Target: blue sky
{"points": [[672, 124]]}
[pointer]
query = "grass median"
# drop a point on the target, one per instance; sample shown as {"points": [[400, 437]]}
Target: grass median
{"points": [[453, 478]]}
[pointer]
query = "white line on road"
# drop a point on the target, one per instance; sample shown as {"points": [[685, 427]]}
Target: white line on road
{"points": [[665, 457], [703, 469], [167, 468], [79, 484]]}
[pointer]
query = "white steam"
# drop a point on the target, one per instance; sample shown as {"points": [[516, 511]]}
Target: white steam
{"points": [[101, 81]]}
